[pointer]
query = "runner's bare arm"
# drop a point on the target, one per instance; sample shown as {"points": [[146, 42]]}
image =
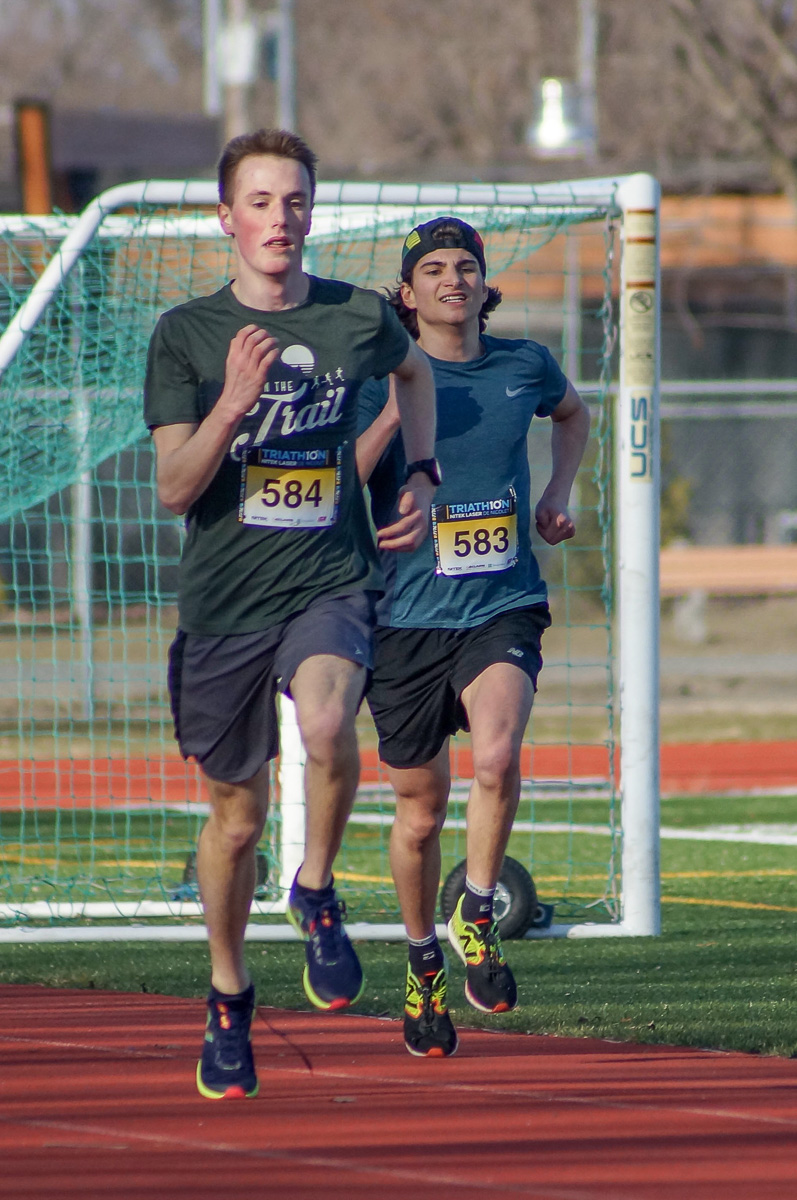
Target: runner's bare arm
{"points": [[414, 390], [415, 398], [189, 455], [414, 514], [373, 441], [568, 440], [410, 529]]}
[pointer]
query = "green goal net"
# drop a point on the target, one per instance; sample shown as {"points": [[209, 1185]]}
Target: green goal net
{"points": [[98, 813]]}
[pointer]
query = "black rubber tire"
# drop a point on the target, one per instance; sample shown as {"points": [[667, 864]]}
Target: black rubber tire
{"points": [[515, 904]]}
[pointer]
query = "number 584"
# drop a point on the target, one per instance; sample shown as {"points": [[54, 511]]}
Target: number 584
{"points": [[291, 494]]}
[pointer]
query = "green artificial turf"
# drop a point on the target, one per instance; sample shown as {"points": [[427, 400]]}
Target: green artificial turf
{"points": [[722, 975]]}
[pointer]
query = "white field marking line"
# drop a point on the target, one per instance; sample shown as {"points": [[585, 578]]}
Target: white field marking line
{"points": [[762, 835], [767, 835], [365, 818], [201, 808], [358, 818], [296, 1156], [58, 1044], [383, 794], [732, 793], [451, 1086]]}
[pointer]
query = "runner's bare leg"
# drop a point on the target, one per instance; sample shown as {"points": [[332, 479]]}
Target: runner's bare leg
{"points": [[327, 691], [498, 703], [226, 872]]}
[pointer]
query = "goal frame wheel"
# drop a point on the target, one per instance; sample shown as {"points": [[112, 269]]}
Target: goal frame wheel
{"points": [[515, 907]]}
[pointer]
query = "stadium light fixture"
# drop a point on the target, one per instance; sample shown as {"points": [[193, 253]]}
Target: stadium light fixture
{"points": [[553, 132], [566, 121]]}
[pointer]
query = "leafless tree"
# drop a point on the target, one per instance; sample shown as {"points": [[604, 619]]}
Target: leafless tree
{"points": [[743, 53], [133, 55], [419, 86], [703, 93]]}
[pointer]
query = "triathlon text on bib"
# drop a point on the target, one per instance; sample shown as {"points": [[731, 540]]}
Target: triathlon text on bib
{"points": [[470, 539], [284, 489]]}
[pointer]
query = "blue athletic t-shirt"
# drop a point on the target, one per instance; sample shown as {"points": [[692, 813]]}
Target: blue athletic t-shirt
{"points": [[478, 562]]}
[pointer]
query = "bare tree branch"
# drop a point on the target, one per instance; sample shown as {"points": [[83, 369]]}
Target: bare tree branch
{"points": [[738, 84]]}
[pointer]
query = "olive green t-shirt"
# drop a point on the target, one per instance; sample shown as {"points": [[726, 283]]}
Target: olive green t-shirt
{"points": [[283, 521]]}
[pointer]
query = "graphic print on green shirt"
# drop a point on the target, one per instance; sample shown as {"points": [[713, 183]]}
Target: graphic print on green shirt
{"points": [[480, 562], [240, 572]]}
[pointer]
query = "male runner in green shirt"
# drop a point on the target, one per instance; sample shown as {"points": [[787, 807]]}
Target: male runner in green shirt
{"points": [[251, 395]]}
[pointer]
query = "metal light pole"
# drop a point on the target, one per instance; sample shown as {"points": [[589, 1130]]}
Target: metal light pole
{"points": [[239, 45], [587, 55], [286, 70], [567, 122], [231, 50], [212, 101]]}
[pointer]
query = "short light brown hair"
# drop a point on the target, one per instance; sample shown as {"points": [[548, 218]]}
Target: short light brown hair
{"points": [[279, 143]]}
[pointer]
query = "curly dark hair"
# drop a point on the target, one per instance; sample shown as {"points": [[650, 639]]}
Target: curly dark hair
{"points": [[447, 231], [409, 317]]}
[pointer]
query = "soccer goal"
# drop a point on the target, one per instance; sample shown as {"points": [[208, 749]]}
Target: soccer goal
{"points": [[98, 814]]}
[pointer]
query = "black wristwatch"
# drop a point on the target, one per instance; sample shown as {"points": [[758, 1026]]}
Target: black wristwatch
{"points": [[429, 466]]}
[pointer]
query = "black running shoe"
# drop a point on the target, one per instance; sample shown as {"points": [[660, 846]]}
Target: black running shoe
{"points": [[428, 1029], [490, 985], [226, 1070], [333, 977]]}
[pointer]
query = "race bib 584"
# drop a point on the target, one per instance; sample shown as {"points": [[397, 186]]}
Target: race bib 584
{"points": [[290, 488], [470, 539]]}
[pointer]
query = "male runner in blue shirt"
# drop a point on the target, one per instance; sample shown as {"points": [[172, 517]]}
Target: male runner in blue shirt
{"points": [[459, 629]]}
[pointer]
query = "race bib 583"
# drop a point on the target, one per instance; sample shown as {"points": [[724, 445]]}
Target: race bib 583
{"points": [[470, 539], [290, 488]]}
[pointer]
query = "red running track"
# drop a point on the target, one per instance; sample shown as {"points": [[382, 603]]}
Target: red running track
{"points": [[688, 768], [97, 1101]]}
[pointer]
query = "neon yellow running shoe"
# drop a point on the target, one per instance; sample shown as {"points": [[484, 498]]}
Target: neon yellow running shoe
{"points": [[428, 1030], [490, 985]]}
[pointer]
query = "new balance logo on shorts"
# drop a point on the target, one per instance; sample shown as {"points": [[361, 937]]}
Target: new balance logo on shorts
{"points": [[514, 650]]}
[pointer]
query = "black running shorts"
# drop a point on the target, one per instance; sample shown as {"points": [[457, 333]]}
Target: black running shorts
{"points": [[223, 689], [420, 675]]}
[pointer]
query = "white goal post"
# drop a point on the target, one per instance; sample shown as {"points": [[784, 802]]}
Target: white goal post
{"points": [[345, 207]]}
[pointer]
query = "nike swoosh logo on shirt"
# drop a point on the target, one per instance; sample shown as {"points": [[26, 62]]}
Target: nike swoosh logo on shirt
{"points": [[512, 392]]}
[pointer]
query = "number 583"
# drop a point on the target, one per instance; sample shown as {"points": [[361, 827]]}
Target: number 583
{"points": [[481, 541]]}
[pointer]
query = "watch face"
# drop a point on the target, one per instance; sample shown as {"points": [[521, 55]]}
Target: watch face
{"points": [[429, 466]]}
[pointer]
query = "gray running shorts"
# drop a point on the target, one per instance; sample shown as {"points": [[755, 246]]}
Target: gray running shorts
{"points": [[223, 689]]}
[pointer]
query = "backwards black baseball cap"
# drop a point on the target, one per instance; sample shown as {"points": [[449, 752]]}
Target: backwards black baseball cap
{"points": [[443, 233]]}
